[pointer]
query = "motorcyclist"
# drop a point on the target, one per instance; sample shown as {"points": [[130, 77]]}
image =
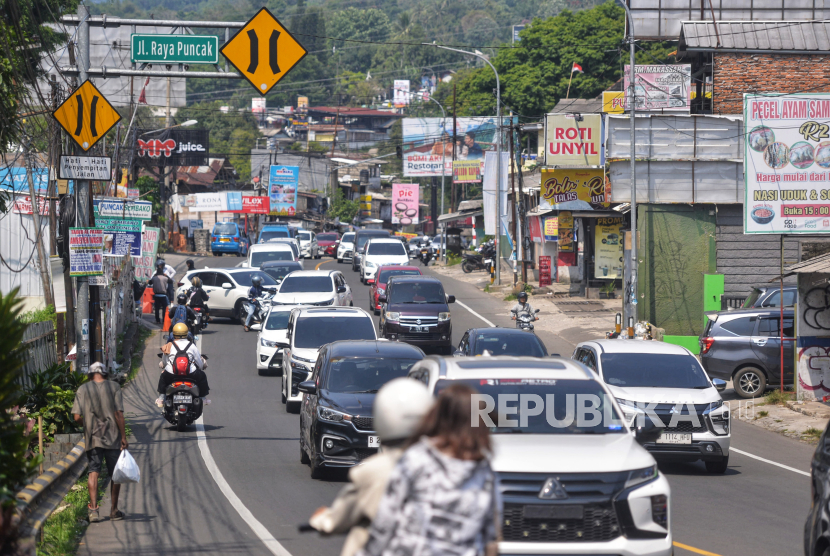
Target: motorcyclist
{"points": [[255, 291], [398, 409], [181, 343], [160, 283], [199, 299], [170, 272], [523, 308], [181, 313]]}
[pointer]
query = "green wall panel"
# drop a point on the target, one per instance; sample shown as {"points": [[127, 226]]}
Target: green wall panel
{"points": [[688, 342]]}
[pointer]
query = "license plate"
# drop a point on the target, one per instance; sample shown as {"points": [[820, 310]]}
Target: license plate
{"points": [[675, 438], [225, 239], [418, 329], [183, 399], [553, 511], [374, 442]]}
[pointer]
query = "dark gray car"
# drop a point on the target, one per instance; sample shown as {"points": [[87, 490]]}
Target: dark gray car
{"points": [[745, 346], [769, 296]]}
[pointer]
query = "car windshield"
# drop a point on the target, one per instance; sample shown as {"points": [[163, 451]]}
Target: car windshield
{"points": [[271, 234], [387, 248], [653, 370], [347, 238], [509, 344], [244, 278], [306, 284], [326, 237], [279, 272], [224, 229], [543, 406], [364, 374], [418, 292], [277, 320], [753, 297], [259, 257], [385, 275], [361, 241], [313, 332], [304, 236]]}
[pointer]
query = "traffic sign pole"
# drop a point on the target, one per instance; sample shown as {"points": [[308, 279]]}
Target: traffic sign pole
{"points": [[82, 210]]}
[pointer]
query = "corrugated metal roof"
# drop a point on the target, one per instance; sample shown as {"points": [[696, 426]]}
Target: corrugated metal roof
{"points": [[578, 106], [816, 264], [779, 36]]}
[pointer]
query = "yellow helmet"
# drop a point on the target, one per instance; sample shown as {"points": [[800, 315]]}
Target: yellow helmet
{"points": [[180, 330]]}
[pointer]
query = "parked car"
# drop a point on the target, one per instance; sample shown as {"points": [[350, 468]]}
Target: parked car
{"points": [[567, 485], [744, 346], [346, 248], [381, 251], [696, 423], [293, 242], [383, 274], [270, 231], [227, 237], [227, 288], [274, 331], [308, 244], [360, 239], [416, 311], [328, 243], [816, 530], [314, 287], [310, 328], [500, 341], [769, 296], [336, 424], [266, 252], [278, 270]]}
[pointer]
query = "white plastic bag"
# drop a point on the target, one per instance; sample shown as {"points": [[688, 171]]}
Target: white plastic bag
{"points": [[126, 470]]}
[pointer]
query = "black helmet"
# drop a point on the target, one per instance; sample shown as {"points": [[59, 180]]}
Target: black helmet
{"points": [[256, 280], [160, 265], [522, 296], [181, 298]]}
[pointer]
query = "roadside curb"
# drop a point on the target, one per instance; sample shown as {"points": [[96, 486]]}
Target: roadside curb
{"points": [[811, 409]]}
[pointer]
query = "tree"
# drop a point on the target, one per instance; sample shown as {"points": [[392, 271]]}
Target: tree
{"points": [[343, 208], [365, 25]]}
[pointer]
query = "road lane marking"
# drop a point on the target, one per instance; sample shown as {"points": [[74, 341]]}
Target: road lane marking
{"points": [[693, 549], [781, 465], [321, 263], [490, 324]]}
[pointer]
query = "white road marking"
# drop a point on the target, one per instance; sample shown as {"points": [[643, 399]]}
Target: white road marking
{"points": [[476, 314], [781, 465]]}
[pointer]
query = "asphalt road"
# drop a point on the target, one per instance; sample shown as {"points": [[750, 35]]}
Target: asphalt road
{"points": [[755, 508]]}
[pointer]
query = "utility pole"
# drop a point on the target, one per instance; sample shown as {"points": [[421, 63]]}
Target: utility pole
{"points": [[42, 260], [52, 192], [515, 206], [454, 139], [82, 203], [630, 287], [168, 121]]}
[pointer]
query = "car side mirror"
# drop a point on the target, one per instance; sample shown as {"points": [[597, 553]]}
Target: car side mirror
{"points": [[341, 289], [382, 298], [282, 346], [256, 326], [648, 432], [719, 384], [537, 310], [309, 387], [450, 299], [227, 286]]}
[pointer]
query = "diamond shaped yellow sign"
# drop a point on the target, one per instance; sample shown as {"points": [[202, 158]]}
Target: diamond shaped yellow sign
{"points": [[263, 51], [86, 115]]}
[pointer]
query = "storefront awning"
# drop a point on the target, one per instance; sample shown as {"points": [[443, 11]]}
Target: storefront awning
{"points": [[597, 214], [459, 215]]}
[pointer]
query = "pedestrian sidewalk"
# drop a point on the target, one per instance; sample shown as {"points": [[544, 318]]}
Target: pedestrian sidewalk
{"points": [[804, 421]]}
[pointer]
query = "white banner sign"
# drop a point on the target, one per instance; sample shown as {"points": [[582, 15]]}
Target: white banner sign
{"points": [[85, 168], [23, 205], [207, 202]]}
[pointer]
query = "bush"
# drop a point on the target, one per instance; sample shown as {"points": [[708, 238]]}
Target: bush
{"points": [[40, 315]]}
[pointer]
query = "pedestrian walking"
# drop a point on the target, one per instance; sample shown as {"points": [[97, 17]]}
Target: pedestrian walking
{"points": [[99, 406], [160, 284], [397, 410], [441, 497]]}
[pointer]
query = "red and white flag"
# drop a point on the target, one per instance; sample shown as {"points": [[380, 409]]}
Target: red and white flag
{"points": [[142, 97], [577, 67]]}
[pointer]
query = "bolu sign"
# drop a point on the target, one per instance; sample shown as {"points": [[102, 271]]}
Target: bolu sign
{"points": [[574, 189]]}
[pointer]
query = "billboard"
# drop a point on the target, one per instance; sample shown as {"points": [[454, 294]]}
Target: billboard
{"points": [[400, 94], [466, 171], [145, 265], [573, 189], [573, 140], [258, 105], [608, 249], [613, 102], [405, 198], [174, 147], [282, 190], [786, 163], [427, 143], [663, 88]]}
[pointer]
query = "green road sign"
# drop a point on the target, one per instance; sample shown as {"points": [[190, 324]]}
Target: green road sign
{"points": [[176, 49]]}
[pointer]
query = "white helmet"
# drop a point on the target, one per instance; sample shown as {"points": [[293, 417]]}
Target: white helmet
{"points": [[399, 407]]}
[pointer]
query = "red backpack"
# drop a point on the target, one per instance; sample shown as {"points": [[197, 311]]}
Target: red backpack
{"points": [[181, 362]]}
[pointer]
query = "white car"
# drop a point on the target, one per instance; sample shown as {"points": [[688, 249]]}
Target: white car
{"points": [[346, 246], [227, 288], [669, 381], [273, 331], [310, 328], [314, 287], [381, 251], [267, 252], [308, 244], [573, 478], [292, 241]]}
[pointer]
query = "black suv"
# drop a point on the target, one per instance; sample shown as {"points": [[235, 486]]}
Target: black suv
{"points": [[360, 239], [745, 346], [416, 310], [336, 423]]}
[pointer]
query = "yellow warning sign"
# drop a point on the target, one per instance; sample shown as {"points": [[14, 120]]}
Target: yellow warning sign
{"points": [[86, 115], [263, 51]]}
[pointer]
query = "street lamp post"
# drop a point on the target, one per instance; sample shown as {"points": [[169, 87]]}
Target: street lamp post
{"points": [[443, 169], [478, 54]]}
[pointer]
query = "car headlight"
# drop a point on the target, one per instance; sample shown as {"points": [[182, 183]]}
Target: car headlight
{"points": [[297, 358], [719, 419], [714, 405], [393, 316], [626, 403], [299, 366], [331, 415], [370, 264], [640, 476], [442, 317], [267, 343], [323, 303]]}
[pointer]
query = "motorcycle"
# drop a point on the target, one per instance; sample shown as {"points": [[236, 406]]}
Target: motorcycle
{"points": [[425, 256], [182, 404], [200, 323], [525, 321], [482, 261], [257, 305]]}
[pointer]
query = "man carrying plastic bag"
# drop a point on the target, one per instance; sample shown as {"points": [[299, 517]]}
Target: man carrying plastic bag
{"points": [[99, 405]]}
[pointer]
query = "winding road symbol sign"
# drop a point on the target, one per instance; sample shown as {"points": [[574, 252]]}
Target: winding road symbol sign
{"points": [[86, 115]]}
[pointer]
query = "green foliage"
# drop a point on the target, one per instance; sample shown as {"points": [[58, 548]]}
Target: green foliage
{"points": [[357, 24], [57, 413], [453, 260], [63, 530], [35, 396], [40, 315], [343, 208]]}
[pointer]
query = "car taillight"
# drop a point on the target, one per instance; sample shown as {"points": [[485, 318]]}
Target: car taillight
{"points": [[235, 238], [180, 284], [215, 238], [706, 344]]}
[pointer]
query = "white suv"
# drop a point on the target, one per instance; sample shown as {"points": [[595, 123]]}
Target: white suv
{"points": [[314, 287], [573, 479], [381, 251], [273, 331], [309, 329], [666, 382], [308, 244], [345, 247], [227, 288]]}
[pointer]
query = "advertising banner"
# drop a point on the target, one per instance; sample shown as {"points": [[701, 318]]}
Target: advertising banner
{"points": [[145, 265], [545, 278], [572, 140], [787, 164], [23, 205], [613, 102], [254, 205], [535, 229], [258, 105], [114, 208], [234, 200], [282, 190], [427, 143], [405, 197], [118, 244], [573, 189], [608, 249], [174, 147], [86, 247], [551, 228], [664, 88], [401, 93], [488, 185], [206, 202], [466, 171]]}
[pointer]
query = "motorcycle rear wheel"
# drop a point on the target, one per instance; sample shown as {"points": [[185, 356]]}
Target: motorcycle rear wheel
{"points": [[467, 267], [181, 425]]}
